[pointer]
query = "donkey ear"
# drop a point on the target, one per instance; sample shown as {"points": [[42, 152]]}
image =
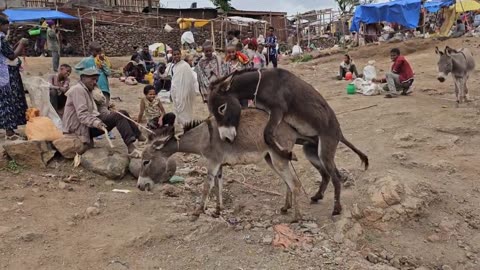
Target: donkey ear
{"points": [[448, 51], [160, 142], [437, 51], [222, 109], [227, 82]]}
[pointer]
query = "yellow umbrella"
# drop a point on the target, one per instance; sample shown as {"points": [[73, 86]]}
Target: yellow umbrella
{"points": [[467, 5]]}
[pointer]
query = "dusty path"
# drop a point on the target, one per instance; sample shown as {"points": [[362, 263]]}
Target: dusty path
{"points": [[424, 156]]}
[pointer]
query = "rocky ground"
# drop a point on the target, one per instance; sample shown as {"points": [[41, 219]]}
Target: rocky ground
{"points": [[415, 208]]}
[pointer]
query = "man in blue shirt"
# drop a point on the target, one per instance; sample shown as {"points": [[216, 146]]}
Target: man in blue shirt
{"points": [[271, 44]]}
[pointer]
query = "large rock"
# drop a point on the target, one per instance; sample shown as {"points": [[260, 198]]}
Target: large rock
{"points": [[3, 158], [68, 146], [104, 162], [30, 153]]}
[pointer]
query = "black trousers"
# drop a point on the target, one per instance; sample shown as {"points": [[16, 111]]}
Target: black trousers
{"points": [[273, 59], [168, 120], [127, 129]]}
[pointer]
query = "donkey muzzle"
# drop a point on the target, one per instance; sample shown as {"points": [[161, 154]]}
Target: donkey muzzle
{"points": [[145, 183], [441, 77], [227, 133]]}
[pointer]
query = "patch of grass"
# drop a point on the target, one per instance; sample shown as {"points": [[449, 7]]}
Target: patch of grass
{"points": [[303, 58], [13, 167]]}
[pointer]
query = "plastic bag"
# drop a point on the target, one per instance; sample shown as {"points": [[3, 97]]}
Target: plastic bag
{"points": [[296, 50], [131, 81], [40, 128], [369, 72], [164, 96], [39, 92], [367, 88], [187, 37]]}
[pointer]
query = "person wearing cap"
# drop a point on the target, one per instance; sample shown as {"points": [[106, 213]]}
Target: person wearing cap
{"points": [[86, 114], [209, 69]]}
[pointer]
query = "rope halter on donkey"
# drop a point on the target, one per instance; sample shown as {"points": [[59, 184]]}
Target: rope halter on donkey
{"points": [[258, 86]]}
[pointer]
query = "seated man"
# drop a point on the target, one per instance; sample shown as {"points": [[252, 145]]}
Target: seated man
{"points": [[147, 58], [135, 69], [161, 79], [459, 30], [86, 114], [400, 78], [59, 85], [347, 66]]}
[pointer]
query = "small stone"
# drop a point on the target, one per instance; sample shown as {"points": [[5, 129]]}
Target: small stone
{"points": [[71, 223], [92, 211], [373, 258], [446, 267], [29, 237], [338, 238], [390, 195], [355, 232], [170, 190], [248, 226], [247, 212], [356, 213], [267, 240], [402, 156], [62, 185], [433, 238], [109, 183], [373, 214], [35, 190], [447, 225], [396, 263], [403, 137]]}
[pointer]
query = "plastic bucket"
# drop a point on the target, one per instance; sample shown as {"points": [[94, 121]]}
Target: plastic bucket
{"points": [[351, 89]]}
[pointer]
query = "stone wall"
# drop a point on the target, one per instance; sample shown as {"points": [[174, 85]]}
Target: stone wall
{"points": [[117, 40]]}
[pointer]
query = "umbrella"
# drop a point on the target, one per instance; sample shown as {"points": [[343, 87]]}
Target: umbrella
{"points": [[467, 5]]}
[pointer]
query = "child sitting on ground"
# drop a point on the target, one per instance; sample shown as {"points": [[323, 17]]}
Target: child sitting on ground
{"points": [[151, 108]]}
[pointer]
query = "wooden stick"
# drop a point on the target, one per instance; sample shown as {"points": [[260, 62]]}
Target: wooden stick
{"points": [[359, 109], [108, 138], [133, 121], [258, 189]]}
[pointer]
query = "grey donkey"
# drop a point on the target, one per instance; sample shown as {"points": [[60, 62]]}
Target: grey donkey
{"points": [[288, 99], [461, 64], [249, 147]]}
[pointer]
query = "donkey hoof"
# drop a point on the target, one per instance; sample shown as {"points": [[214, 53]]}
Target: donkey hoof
{"points": [[336, 211], [315, 199], [284, 210]]}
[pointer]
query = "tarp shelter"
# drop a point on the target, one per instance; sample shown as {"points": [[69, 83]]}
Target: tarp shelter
{"points": [[435, 6], [466, 5], [187, 23], [25, 15], [403, 12]]}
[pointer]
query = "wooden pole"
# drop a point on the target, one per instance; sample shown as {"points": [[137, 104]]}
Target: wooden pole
{"points": [[93, 28], [81, 30], [298, 30], [213, 35]]}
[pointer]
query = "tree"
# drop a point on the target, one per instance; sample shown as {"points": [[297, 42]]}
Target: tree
{"points": [[222, 4], [347, 6]]}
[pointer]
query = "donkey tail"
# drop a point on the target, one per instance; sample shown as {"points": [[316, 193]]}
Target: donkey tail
{"points": [[362, 156]]}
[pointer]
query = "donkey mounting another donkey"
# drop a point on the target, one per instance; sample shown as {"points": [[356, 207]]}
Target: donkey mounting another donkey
{"points": [[290, 99], [461, 64]]}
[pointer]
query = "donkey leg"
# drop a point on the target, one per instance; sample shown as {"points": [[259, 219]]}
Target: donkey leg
{"points": [[326, 151], [465, 87], [219, 184], [276, 117], [288, 196], [311, 153], [457, 90], [208, 185], [281, 166]]}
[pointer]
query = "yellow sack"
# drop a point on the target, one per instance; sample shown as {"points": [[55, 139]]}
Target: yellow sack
{"points": [[41, 128]]}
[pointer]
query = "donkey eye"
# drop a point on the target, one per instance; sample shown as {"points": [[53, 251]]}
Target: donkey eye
{"points": [[146, 162]]}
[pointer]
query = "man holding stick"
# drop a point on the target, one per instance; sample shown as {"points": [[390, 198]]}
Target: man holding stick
{"points": [[86, 114]]}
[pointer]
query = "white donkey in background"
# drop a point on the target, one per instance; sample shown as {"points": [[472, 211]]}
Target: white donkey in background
{"points": [[461, 64]]}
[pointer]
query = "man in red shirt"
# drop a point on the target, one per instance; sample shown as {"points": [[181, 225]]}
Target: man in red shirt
{"points": [[400, 78]]}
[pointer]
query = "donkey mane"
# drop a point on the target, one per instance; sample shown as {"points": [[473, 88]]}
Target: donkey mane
{"points": [[233, 74], [192, 124]]}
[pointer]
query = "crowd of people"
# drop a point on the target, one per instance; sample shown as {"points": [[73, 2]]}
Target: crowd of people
{"points": [[85, 106]]}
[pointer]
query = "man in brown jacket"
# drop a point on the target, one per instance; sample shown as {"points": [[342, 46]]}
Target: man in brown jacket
{"points": [[86, 114]]}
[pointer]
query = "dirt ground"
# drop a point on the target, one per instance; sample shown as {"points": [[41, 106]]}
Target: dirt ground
{"points": [[415, 208]]}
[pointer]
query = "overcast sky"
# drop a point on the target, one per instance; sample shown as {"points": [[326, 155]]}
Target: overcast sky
{"points": [[290, 6]]}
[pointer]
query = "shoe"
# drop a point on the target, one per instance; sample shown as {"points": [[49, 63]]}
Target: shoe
{"points": [[111, 136], [99, 137]]}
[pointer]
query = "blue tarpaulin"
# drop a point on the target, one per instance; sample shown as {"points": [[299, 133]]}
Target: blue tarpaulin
{"points": [[24, 15], [434, 6], [403, 12]]}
